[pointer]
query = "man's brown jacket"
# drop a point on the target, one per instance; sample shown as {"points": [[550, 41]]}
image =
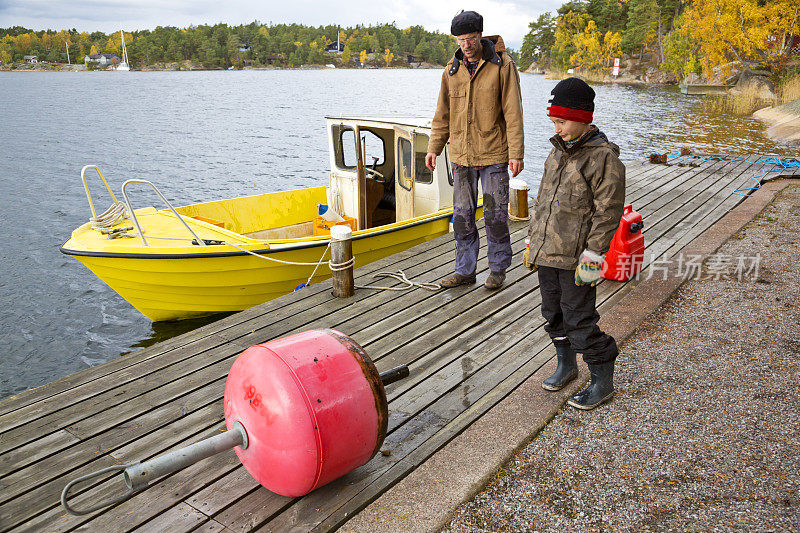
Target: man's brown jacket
{"points": [[481, 115], [580, 201]]}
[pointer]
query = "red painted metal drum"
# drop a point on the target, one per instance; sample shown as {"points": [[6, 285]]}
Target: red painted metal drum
{"points": [[313, 406], [624, 258]]}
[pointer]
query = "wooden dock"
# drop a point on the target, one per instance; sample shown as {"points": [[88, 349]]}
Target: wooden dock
{"points": [[467, 348]]}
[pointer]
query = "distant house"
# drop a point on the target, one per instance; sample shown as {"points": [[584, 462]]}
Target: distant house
{"points": [[275, 58], [335, 47], [244, 48], [30, 59], [103, 60]]}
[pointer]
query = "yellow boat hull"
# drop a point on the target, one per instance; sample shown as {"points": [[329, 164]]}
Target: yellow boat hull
{"points": [[167, 275], [164, 288]]}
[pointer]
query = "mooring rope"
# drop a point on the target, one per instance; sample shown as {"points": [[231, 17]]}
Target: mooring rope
{"points": [[401, 277], [110, 217], [782, 164]]}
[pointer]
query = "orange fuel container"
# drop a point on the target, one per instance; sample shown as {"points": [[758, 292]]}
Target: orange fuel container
{"points": [[624, 258]]}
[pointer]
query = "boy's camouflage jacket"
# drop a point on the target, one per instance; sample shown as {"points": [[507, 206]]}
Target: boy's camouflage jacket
{"points": [[580, 201]]}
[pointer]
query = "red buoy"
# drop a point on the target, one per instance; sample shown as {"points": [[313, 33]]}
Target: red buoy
{"points": [[301, 411], [624, 258], [313, 406]]}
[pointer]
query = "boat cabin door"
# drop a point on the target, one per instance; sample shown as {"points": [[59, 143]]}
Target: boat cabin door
{"points": [[404, 173]]}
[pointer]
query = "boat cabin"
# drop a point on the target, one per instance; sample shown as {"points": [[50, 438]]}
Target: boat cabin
{"points": [[378, 173]]}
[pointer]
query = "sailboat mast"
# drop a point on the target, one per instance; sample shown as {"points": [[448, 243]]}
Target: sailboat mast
{"points": [[124, 51]]}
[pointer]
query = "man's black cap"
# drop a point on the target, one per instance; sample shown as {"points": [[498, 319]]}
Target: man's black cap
{"points": [[466, 22]]}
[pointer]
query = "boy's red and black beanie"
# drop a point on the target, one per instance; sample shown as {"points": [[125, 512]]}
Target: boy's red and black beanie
{"points": [[572, 99]]}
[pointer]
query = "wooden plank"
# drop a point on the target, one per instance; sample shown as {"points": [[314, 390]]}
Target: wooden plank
{"points": [[178, 519], [49, 475], [43, 511], [218, 495], [700, 208]]}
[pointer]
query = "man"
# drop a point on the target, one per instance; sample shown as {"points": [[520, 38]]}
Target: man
{"points": [[480, 111]]}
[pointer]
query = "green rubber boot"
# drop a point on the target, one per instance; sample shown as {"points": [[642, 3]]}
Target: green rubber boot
{"points": [[600, 389], [566, 371]]}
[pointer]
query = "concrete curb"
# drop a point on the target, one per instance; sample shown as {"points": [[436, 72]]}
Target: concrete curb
{"points": [[426, 499]]}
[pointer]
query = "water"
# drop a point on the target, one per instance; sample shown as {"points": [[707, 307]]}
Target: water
{"points": [[210, 135]]}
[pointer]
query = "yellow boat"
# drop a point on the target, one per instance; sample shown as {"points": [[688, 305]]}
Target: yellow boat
{"points": [[229, 255]]}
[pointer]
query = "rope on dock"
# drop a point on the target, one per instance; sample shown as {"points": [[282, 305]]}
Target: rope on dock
{"points": [[401, 277], [782, 164]]}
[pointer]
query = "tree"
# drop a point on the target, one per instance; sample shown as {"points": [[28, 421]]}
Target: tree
{"points": [[388, 56], [643, 20], [680, 52], [346, 54], [538, 41], [568, 27], [739, 30], [595, 49], [363, 57]]}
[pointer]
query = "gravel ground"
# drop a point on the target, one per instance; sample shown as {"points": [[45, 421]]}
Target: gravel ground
{"points": [[703, 432]]}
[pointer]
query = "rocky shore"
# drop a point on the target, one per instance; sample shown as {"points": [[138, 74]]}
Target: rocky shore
{"points": [[784, 120]]}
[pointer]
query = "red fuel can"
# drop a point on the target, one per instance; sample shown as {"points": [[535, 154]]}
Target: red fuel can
{"points": [[313, 406], [624, 258]]}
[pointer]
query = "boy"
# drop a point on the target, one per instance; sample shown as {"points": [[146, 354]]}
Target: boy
{"points": [[577, 211]]}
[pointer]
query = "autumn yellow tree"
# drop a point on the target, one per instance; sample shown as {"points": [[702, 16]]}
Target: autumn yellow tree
{"points": [[589, 50], [388, 56], [595, 49], [748, 31], [346, 54], [569, 26], [363, 57], [6, 49]]}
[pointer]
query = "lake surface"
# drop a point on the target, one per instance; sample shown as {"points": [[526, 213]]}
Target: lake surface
{"points": [[210, 135]]}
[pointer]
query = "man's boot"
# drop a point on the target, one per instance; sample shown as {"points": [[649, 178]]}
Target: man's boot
{"points": [[600, 389], [566, 371]]}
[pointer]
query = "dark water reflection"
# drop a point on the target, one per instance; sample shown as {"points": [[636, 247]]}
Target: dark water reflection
{"points": [[211, 135]]}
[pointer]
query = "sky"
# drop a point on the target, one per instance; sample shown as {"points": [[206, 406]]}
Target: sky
{"points": [[507, 18]]}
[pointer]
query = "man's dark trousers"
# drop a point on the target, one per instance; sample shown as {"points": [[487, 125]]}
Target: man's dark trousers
{"points": [[570, 312], [494, 182]]}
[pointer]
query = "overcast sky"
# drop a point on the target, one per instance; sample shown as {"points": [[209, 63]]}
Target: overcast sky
{"points": [[509, 19]]}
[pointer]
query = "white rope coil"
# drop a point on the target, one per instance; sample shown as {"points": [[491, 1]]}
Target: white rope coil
{"points": [[338, 267], [401, 277], [110, 217]]}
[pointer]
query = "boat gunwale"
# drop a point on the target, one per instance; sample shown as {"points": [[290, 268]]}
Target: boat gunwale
{"points": [[291, 246]]}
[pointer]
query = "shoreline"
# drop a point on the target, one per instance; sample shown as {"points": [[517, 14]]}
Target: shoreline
{"points": [[784, 120], [191, 68]]}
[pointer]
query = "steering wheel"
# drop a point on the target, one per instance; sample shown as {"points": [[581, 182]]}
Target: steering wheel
{"points": [[371, 173]]}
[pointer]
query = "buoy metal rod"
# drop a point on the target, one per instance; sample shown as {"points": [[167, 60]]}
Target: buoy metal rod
{"points": [[140, 475], [394, 374]]}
